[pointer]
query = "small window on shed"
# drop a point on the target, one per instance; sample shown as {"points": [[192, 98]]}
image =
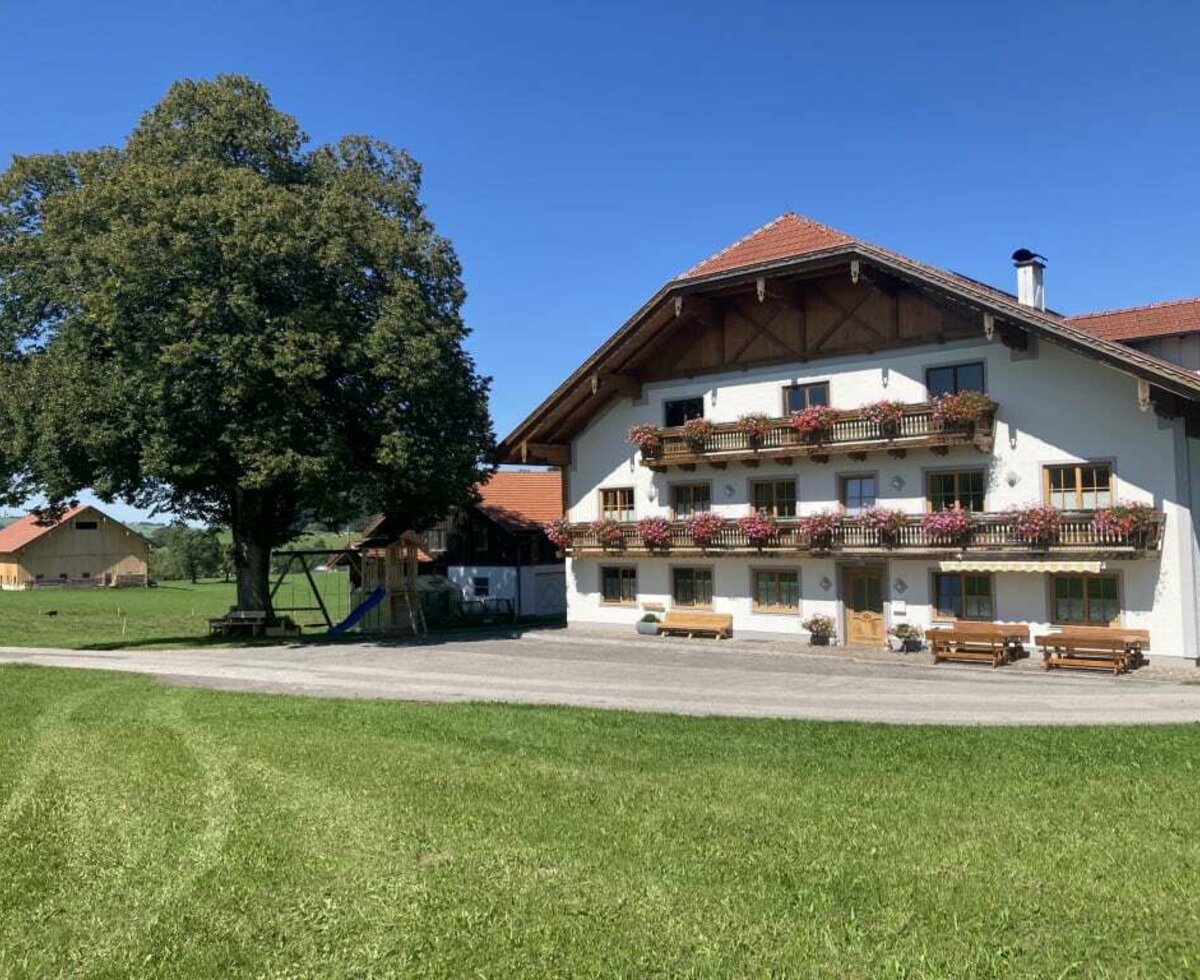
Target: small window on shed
{"points": [[86, 525], [480, 586]]}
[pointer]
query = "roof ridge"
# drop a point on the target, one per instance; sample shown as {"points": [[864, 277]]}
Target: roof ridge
{"points": [[732, 245], [1136, 309]]}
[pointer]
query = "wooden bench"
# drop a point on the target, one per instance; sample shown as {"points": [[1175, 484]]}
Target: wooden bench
{"points": [[252, 621], [1098, 647], [994, 643], [717, 625]]}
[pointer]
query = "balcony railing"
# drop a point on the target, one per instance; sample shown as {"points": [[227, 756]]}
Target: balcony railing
{"points": [[851, 433], [990, 534]]}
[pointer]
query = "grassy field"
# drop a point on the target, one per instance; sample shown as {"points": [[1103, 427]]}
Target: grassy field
{"points": [[152, 831], [171, 614]]}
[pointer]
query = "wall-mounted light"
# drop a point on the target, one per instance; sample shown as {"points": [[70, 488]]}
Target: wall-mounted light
{"points": [[886, 375], [1012, 478], [900, 586], [652, 492], [1012, 437], [728, 489], [826, 584], [897, 482]]}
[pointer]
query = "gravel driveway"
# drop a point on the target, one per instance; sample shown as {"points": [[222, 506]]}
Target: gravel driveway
{"points": [[687, 677]]}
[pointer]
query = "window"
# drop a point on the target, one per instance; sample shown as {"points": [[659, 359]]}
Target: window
{"points": [[963, 597], [1089, 600], [775, 497], [796, 398], [617, 504], [776, 591], [479, 586], [954, 378], [618, 584], [690, 498], [86, 525], [435, 539], [480, 539], [85, 574], [691, 586], [681, 409], [950, 490], [858, 493], [1085, 486]]}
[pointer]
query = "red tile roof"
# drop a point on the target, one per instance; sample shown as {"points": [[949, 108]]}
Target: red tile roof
{"points": [[29, 528], [785, 237], [1141, 322], [522, 500]]}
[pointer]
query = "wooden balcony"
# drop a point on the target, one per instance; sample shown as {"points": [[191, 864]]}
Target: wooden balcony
{"points": [[851, 435], [992, 536]]}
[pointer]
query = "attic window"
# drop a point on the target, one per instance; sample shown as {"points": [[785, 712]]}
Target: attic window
{"points": [[86, 525]]}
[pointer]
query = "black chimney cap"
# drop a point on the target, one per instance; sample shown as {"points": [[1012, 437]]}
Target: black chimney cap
{"points": [[1023, 255]]}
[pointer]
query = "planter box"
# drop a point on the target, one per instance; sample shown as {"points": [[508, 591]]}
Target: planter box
{"points": [[647, 629], [819, 639]]}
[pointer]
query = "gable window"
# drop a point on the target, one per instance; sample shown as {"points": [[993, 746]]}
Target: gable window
{"points": [[480, 539], [618, 584], [858, 493], [776, 590], [616, 504], [963, 597], [679, 410], [691, 586], [690, 498], [87, 525], [775, 497], [953, 378], [1086, 600], [961, 489], [796, 398], [1083, 486], [480, 586]]}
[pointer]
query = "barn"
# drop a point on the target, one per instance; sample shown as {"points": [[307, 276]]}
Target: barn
{"points": [[84, 547]]}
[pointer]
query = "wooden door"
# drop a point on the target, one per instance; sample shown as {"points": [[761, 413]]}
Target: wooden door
{"points": [[864, 606]]}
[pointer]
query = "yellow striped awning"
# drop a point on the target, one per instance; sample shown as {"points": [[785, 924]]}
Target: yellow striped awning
{"points": [[983, 565]]}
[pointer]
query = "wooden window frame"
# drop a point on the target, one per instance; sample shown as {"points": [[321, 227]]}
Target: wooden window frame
{"points": [[632, 511], [956, 365], [757, 607], [928, 474], [621, 569], [691, 398], [1079, 468], [674, 569], [787, 410], [1115, 576], [688, 484], [860, 475], [754, 482], [936, 614]]}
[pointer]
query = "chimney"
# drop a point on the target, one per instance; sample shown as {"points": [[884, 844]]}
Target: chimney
{"points": [[1031, 288]]}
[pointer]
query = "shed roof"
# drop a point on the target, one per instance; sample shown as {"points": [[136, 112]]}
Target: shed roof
{"points": [[23, 532]]}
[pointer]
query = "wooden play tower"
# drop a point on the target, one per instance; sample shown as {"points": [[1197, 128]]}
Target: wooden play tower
{"points": [[394, 569]]}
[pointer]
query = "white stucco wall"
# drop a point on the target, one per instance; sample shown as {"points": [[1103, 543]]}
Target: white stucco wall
{"points": [[502, 583], [1056, 406]]}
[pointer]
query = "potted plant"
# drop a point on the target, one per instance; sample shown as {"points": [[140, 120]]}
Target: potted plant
{"points": [[961, 408], [819, 528], [704, 527], [1126, 521], [759, 528], [697, 432], [559, 533], [655, 532], [911, 637], [951, 526], [647, 437], [888, 415], [814, 423], [820, 629], [648, 625], [885, 522], [755, 427], [608, 533], [1037, 526]]}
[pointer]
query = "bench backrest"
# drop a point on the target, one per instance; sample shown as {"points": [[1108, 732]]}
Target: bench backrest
{"points": [[1019, 630], [699, 620], [1110, 633], [246, 615]]}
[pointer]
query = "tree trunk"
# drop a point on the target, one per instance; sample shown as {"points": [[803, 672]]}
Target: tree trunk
{"points": [[252, 566]]}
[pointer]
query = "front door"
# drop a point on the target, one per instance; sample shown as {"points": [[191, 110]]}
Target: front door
{"points": [[864, 606]]}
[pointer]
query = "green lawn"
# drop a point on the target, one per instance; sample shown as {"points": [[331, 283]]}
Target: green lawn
{"points": [[171, 614], [153, 831]]}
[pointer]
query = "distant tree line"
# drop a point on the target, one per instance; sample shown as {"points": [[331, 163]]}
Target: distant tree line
{"points": [[183, 553]]}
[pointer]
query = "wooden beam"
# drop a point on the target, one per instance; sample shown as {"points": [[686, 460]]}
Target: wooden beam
{"points": [[621, 384], [549, 453], [700, 308]]}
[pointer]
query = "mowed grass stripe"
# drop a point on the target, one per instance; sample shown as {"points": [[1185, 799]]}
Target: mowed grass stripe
{"points": [[155, 831]]}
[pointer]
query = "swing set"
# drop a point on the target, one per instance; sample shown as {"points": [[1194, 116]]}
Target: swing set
{"points": [[296, 562]]}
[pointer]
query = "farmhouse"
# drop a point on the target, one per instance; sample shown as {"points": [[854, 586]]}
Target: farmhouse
{"points": [[84, 547], [806, 423]]}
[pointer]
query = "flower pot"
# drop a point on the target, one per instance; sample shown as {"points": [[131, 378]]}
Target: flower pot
{"points": [[911, 645], [647, 629], [819, 639]]}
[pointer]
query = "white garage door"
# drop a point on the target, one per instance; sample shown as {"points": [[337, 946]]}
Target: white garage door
{"points": [[549, 593]]}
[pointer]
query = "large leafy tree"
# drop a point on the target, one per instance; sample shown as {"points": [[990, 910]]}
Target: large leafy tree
{"points": [[218, 321]]}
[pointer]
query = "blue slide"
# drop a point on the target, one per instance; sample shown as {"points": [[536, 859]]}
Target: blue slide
{"points": [[358, 612]]}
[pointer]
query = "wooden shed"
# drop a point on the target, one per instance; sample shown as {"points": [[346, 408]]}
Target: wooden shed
{"points": [[84, 547]]}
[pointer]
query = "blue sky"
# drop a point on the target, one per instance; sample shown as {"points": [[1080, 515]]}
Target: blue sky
{"points": [[579, 155]]}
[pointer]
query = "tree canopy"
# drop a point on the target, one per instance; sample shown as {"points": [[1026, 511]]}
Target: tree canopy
{"points": [[217, 321]]}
